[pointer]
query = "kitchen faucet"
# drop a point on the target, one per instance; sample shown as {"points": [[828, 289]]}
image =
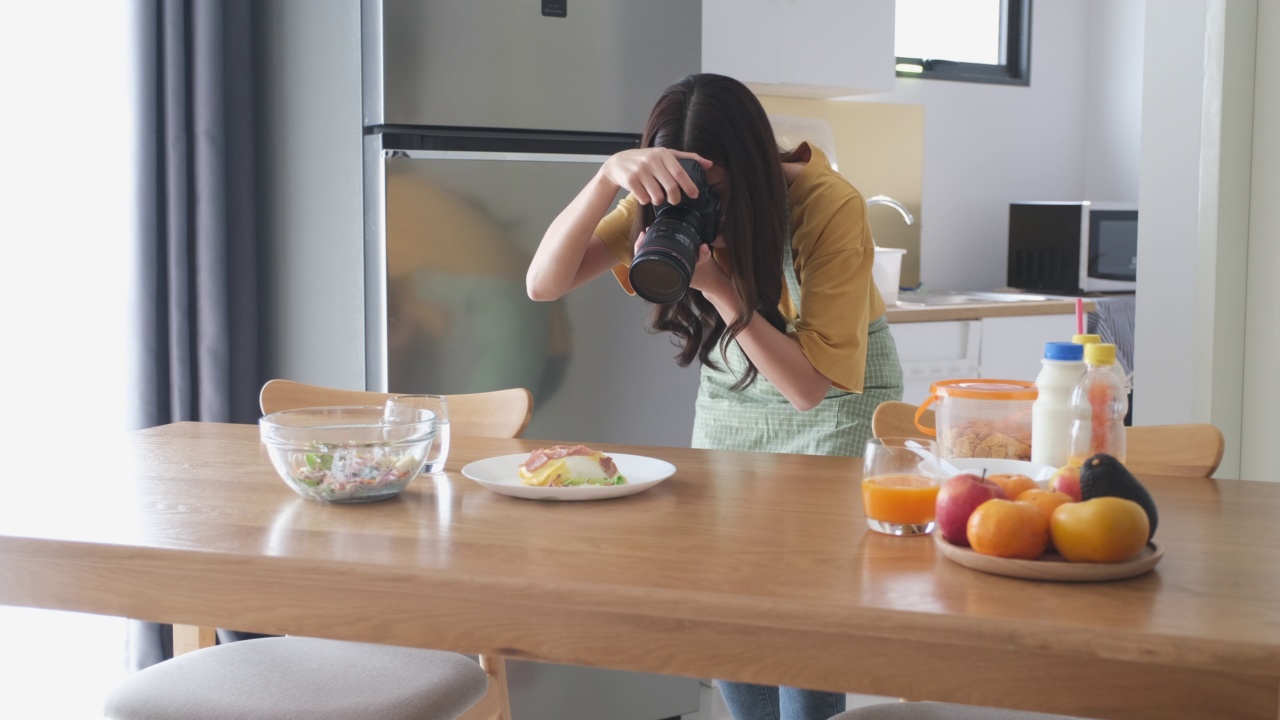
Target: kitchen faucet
{"points": [[886, 200]]}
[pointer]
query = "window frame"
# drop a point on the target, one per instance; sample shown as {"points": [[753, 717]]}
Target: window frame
{"points": [[1015, 71]]}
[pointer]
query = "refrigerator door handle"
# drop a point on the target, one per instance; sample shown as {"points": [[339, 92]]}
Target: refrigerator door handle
{"points": [[502, 156]]}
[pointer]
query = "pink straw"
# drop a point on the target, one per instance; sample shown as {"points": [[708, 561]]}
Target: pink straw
{"points": [[1079, 316]]}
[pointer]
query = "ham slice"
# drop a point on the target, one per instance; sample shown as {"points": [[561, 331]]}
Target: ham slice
{"points": [[539, 457], [560, 465]]}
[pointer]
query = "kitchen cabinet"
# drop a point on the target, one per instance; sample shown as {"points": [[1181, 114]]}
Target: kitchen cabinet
{"points": [[932, 351], [1011, 347], [801, 48], [1000, 347]]}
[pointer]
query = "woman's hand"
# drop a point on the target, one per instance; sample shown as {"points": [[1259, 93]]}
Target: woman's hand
{"points": [[653, 175], [715, 284]]}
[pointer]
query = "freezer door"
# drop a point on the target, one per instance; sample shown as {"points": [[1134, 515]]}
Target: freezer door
{"points": [[516, 64]]}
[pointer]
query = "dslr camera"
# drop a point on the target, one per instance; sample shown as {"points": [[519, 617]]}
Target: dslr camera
{"points": [[666, 256]]}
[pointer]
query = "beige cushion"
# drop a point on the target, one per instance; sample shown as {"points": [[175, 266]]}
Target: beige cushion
{"points": [[288, 678], [939, 711]]}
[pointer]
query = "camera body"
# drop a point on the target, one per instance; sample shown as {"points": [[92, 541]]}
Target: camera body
{"points": [[665, 259]]}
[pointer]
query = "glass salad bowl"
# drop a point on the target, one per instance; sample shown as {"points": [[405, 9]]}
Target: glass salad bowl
{"points": [[348, 454]]}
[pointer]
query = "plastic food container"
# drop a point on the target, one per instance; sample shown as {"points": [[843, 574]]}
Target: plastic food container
{"points": [[886, 271], [981, 418]]}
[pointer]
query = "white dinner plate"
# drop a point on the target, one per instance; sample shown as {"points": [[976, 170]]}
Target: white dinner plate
{"points": [[997, 466], [501, 475]]}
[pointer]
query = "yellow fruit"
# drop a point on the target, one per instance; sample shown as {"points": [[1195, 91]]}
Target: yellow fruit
{"points": [[1101, 530], [1008, 529]]}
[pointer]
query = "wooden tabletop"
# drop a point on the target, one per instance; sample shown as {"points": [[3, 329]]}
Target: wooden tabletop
{"points": [[743, 566]]}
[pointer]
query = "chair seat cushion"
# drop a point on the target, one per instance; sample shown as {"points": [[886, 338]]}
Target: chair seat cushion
{"points": [[297, 678], [939, 711]]}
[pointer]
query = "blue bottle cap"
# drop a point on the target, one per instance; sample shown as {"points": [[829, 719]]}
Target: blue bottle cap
{"points": [[1063, 351]]}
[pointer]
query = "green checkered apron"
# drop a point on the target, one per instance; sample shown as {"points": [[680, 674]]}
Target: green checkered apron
{"points": [[760, 418]]}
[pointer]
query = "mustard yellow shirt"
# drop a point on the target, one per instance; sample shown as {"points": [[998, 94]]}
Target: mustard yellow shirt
{"points": [[832, 254]]}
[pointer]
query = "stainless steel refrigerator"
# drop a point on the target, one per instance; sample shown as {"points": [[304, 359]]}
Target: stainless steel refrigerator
{"points": [[483, 119]]}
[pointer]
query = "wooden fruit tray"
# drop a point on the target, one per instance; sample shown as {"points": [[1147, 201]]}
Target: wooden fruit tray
{"points": [[1051, 566]]}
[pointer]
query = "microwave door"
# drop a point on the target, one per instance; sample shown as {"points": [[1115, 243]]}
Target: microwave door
{"points": [[1111, 243]]}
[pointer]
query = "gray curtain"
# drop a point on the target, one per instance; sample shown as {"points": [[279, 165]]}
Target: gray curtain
{"points": [[196, 299]]}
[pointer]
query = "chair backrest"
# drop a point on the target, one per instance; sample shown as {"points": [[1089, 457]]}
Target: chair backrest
{"points": [[898, 419], [1192, 450], [500, 413]]}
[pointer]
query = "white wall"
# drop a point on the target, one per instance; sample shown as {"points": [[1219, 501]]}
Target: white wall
{"points": [[1261, 426], [1113, 99], [988, 145], [1194, 236]]}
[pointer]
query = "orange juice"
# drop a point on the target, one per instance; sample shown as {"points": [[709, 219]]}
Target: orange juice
{"points": [[904, 499]]}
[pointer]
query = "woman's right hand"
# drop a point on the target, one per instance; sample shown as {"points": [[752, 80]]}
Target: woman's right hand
{"points": [[653, 175]]}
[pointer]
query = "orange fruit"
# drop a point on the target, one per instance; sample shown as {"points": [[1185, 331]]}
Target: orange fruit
{"points": [[1008, 529], [1046, 500], [1013, 484]]}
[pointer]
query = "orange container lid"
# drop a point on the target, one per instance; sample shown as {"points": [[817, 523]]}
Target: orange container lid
{"points": [[985, 389]]}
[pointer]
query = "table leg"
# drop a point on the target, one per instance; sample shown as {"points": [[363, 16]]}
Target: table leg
{"points": [[496, 703], [192, 637]]}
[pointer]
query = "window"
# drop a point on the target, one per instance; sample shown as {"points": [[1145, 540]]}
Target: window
{"points": [[967, 40]]}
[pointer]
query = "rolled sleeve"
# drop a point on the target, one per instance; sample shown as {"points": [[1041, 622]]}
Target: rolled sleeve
{"points": [[615, 231], [833, 267]]}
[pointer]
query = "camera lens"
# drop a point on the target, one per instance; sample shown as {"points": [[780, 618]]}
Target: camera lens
{"points": [[668, 253], [661, 270]]}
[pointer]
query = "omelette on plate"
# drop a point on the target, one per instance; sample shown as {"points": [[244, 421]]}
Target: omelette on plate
{"points": [[569, 466]]}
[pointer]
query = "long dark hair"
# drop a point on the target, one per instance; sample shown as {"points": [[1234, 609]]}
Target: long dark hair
{"points": [[718, 118]]}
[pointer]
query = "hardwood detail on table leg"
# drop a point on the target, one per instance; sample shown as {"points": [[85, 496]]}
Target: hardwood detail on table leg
{"points": [[192, 637], [496, 703]]}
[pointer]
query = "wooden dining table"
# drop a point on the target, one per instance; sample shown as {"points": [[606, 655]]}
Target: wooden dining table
{"points": [[743, 566]]}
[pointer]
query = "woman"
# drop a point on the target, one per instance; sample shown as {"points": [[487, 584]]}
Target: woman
{"points": [[782, 313]]}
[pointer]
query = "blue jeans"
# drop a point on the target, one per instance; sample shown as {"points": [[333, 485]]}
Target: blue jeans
{"points": [[766, 702]]}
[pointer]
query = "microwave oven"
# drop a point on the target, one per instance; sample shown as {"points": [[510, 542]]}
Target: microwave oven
{"points": [[1073, 247]]}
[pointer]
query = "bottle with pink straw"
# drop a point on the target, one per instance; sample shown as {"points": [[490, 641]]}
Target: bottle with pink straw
{"points": [[1082, 338]]}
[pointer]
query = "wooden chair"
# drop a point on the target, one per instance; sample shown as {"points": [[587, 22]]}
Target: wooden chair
{"points": [[439, 685], [898, 419], [1192, 450], [500, 413]]}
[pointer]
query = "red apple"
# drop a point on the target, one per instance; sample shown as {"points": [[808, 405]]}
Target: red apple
{"points": [[1067, 480], [958, 497]]}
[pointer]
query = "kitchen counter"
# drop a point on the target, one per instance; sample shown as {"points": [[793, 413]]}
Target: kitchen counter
{"points": [[908, 311], [999, 334]]}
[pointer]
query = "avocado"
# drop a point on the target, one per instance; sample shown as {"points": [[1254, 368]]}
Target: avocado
{"points": [[1104, 476]]}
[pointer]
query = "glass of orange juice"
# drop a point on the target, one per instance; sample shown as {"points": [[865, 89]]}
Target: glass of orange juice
{"points": [[900, 481]]}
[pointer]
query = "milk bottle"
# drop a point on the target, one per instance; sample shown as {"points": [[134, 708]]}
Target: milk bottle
{"points": [[1051, 414]]}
